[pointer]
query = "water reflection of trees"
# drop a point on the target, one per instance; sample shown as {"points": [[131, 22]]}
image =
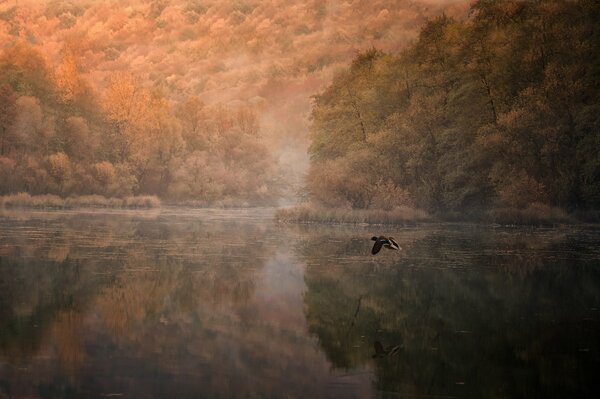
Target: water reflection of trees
{"points": [[92, 304], [32, 299], [476, 312], [136, 274]]}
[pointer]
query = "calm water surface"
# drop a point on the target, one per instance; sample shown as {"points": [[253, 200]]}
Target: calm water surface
{"points": [[219, 304]]}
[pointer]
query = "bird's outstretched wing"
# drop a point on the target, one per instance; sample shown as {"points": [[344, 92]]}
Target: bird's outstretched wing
{"points": [[393, 243], [377, 246]]}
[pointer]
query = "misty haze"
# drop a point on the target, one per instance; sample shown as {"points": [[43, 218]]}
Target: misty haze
{"points": [[299, 199]]}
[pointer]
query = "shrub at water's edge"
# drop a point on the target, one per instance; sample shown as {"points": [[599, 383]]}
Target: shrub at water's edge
{"points": [[49, 201]]}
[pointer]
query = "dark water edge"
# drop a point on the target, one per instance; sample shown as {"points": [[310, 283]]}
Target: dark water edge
{"points": [[229, 303]]}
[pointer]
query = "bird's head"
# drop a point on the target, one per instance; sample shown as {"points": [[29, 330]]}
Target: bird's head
{"points": [[373, 238]]}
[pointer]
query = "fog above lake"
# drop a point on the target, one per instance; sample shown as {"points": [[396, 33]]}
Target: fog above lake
{"points": [[229, 303]]}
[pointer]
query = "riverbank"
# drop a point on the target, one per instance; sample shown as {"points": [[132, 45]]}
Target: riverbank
{"points": [[49, 201], [534, 214], [311, 214]]}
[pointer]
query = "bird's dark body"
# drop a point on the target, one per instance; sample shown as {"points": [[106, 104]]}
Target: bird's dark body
{"points": [[385, 242]]}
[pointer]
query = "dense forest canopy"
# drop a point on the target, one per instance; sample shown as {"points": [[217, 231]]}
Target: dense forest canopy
{"points": [[196, 100], [58, 137], [497, 110]]}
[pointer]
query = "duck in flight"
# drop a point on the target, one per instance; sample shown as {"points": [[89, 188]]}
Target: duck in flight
{"points": [[382, 241]]}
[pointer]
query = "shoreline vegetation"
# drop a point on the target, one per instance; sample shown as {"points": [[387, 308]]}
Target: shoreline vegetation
{"points": [[321, 215], [533, 215], [50, 201]]}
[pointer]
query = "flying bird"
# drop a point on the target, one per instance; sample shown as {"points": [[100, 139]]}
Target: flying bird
{"points": [[382, 241]]}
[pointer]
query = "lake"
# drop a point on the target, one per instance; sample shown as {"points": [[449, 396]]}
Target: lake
{"points": [[228, 303]]}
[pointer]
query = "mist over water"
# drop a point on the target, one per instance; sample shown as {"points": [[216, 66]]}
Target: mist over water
{"points": [[228, 303]]}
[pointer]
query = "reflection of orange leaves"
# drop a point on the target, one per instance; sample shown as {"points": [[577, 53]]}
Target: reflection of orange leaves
{"points": [[8, 250], [59, 252], [130, 302], [68, 336]]}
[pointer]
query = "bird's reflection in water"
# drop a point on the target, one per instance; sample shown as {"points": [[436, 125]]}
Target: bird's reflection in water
{"points": [[381, 352]]}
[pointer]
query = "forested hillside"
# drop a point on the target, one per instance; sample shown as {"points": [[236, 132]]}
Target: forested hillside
{"points": [[499, 110], [190, 100], [57, 136]]}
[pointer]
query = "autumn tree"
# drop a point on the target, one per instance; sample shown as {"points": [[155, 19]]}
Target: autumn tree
{"points": [[59, 169], [67, 77], [78, 142], [8, 112], [126, 108], [32, 130], [191, 114], [167, 144], [26, 70], [236, 168]]}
